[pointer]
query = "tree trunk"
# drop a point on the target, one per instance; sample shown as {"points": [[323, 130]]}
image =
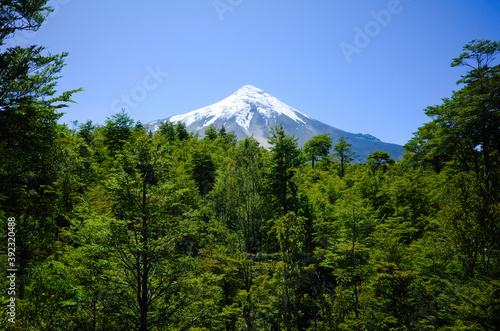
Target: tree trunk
{"points": [[143, 299]]}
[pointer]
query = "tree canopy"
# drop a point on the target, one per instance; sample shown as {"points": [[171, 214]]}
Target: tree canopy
{"points": [[318, 147], [120, 229]]}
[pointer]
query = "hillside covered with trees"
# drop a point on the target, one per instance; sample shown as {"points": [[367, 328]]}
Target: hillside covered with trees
{"points": [[119, 229]]}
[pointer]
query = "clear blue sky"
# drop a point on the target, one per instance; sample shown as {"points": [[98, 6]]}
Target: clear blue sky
{"points": [[307, 53]]}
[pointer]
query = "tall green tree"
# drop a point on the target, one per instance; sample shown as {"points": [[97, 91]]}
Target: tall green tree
{"points": [[282, 162], [202, 170], [464, 131], [290, 232], [318, 147], [470, 219], [181, 132], [343, 153], [211, 133], [167, 129], [118, 131], [379, 159], [16, 15], [239, 193], [482, 98], [152, 281], [29, 110]]}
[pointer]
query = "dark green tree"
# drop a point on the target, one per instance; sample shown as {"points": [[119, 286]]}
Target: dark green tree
{"points": [[29, 110], [282, 162], [482, 101], [181, 132], [16, 15], [290, 232], [344, 153], [318, 147], [238, 193], [211, 133], [150, 285], [470, 220], [118, 131], [86, 130], [464, 131], [222, 131], [379, 159], [167, 129], [202, 169]]}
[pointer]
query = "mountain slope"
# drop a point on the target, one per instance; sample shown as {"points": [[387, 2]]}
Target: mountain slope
{"points": [[252, 112]]}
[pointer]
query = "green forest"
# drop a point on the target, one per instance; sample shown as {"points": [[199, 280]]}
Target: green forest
{"points": [[119, 229]]}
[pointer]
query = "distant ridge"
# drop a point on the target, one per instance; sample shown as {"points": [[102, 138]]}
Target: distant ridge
{"points": [[252, 112]]}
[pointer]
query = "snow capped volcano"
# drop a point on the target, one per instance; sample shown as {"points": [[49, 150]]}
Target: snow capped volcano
{"points": [[241, 107], [252, 112]]}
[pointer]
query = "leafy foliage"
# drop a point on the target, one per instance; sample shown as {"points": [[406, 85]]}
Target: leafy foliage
{"points": [[318, 147], [122, 230]]}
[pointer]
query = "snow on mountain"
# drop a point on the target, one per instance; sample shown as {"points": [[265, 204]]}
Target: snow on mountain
{"points": [[241, 106], [252, 112]]}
